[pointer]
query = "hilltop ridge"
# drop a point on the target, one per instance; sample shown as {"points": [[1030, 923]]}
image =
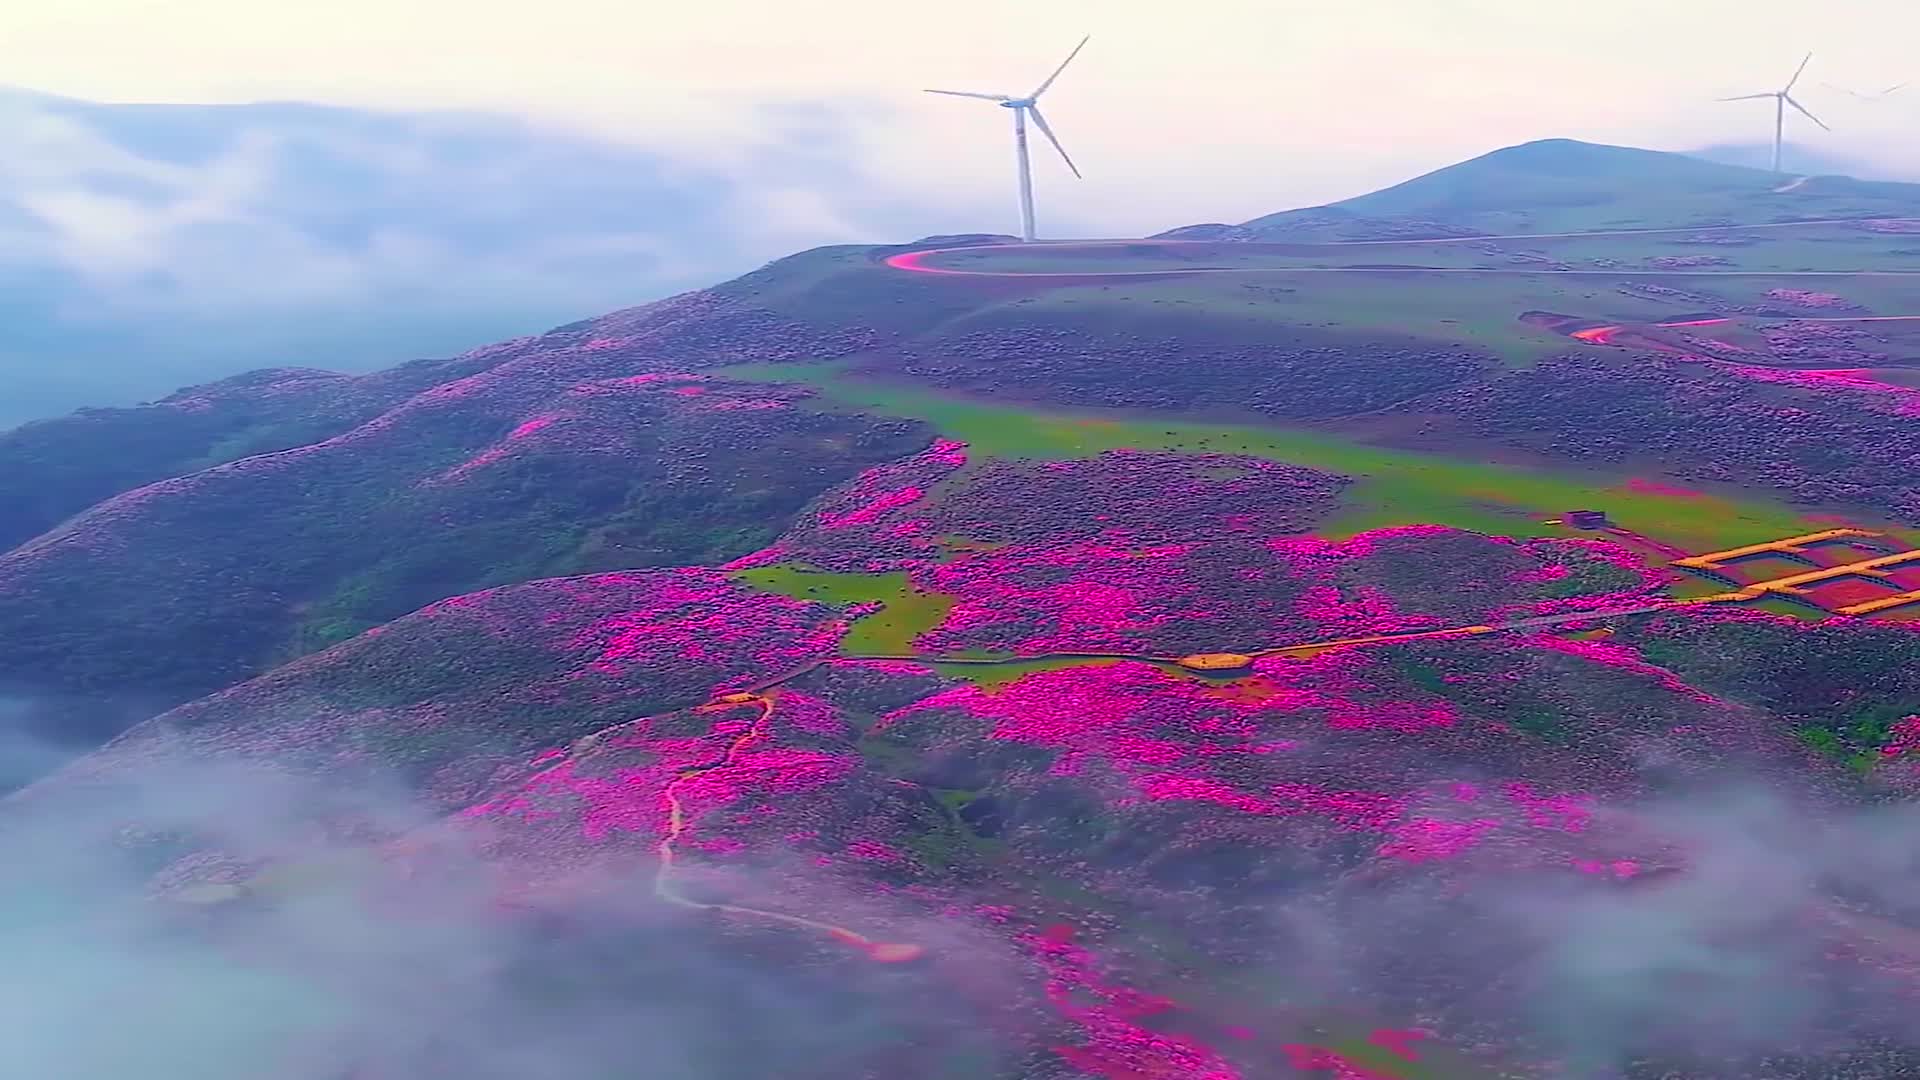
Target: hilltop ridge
{"points": [[1552, 185]]}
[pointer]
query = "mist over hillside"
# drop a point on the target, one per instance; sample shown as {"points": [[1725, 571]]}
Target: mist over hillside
{"points": [[147, 247], [1802, 159], [966, 659]]}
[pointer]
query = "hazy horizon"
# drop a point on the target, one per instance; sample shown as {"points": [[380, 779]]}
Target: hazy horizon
{"points": [[1385, 90], [603, 157]]}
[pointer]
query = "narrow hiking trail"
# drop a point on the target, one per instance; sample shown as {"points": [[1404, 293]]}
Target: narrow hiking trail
{"points": [[763, 698], [663, 886], [762, 695]]}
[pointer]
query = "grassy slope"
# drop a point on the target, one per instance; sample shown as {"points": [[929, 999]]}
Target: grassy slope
{"points": [[1798, 248], [908, 613], [1481, 311], [1560, 184], [1395, 486]]}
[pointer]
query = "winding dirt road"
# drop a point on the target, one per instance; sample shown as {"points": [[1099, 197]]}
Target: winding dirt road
{"points": [[761, 697]]}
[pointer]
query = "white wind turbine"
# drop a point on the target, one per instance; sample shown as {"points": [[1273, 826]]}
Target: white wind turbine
{"points": [[1888, 92], [1782, 98], [1022, 108]]}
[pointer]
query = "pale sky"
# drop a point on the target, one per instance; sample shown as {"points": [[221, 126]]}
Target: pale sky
{"points": [[1176, 112]]}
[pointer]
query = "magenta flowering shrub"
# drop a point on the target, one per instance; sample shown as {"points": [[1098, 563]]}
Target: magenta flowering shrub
{"points": [[1147, 797], [1902, 738], [1111, 1037], [865, 690], [1073, 762], [900, 515], [1089, 597], [1706, 423], [585, 736], [697, 620], [1452, 574], [758, 794], [1622, 657], [1114, 595], [1898, 765], [744, 778], [282, 511], [444, 699], [873, 522], [1346, 742], [1147, 496], [516, 473]]}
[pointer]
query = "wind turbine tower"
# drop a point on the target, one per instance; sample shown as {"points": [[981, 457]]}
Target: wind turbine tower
{"points": [[1782, 98], [1024, 107]]}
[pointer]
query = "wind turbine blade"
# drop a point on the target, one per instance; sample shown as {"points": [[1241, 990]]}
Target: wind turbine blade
{"points": [[1798, 72], [1062, 67], [1894, 89], [1746, 97], [1805, 113], [1041, 123], [971, 94]]}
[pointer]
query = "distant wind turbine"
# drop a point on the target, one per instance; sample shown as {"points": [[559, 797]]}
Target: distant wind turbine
{"points": [[1022, 108], [1782, 98], [1889, 91]]}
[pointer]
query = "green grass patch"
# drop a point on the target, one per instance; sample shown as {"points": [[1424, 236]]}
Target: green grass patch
{"points": [[1825, 742], [1435, 1062], [907, 611], [1855, 738], [1393, 486], [993, 677], [1790, 608]]}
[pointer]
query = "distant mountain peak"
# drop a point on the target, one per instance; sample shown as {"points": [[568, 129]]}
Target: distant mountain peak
{"points": [[1574, 158], [1550, 185]]}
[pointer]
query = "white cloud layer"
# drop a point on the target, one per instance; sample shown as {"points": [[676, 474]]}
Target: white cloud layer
{"points": [[670, 145]]}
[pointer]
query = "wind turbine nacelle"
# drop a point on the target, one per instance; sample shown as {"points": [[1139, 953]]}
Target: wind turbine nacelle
{"points": [[1017, 103]]}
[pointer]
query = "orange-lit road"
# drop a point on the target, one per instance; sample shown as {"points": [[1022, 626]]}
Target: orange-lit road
{"points": [[761, 697]]}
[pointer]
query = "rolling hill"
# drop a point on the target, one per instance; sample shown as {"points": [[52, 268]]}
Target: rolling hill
{"points": [[1563, 185], [985, 661]]}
